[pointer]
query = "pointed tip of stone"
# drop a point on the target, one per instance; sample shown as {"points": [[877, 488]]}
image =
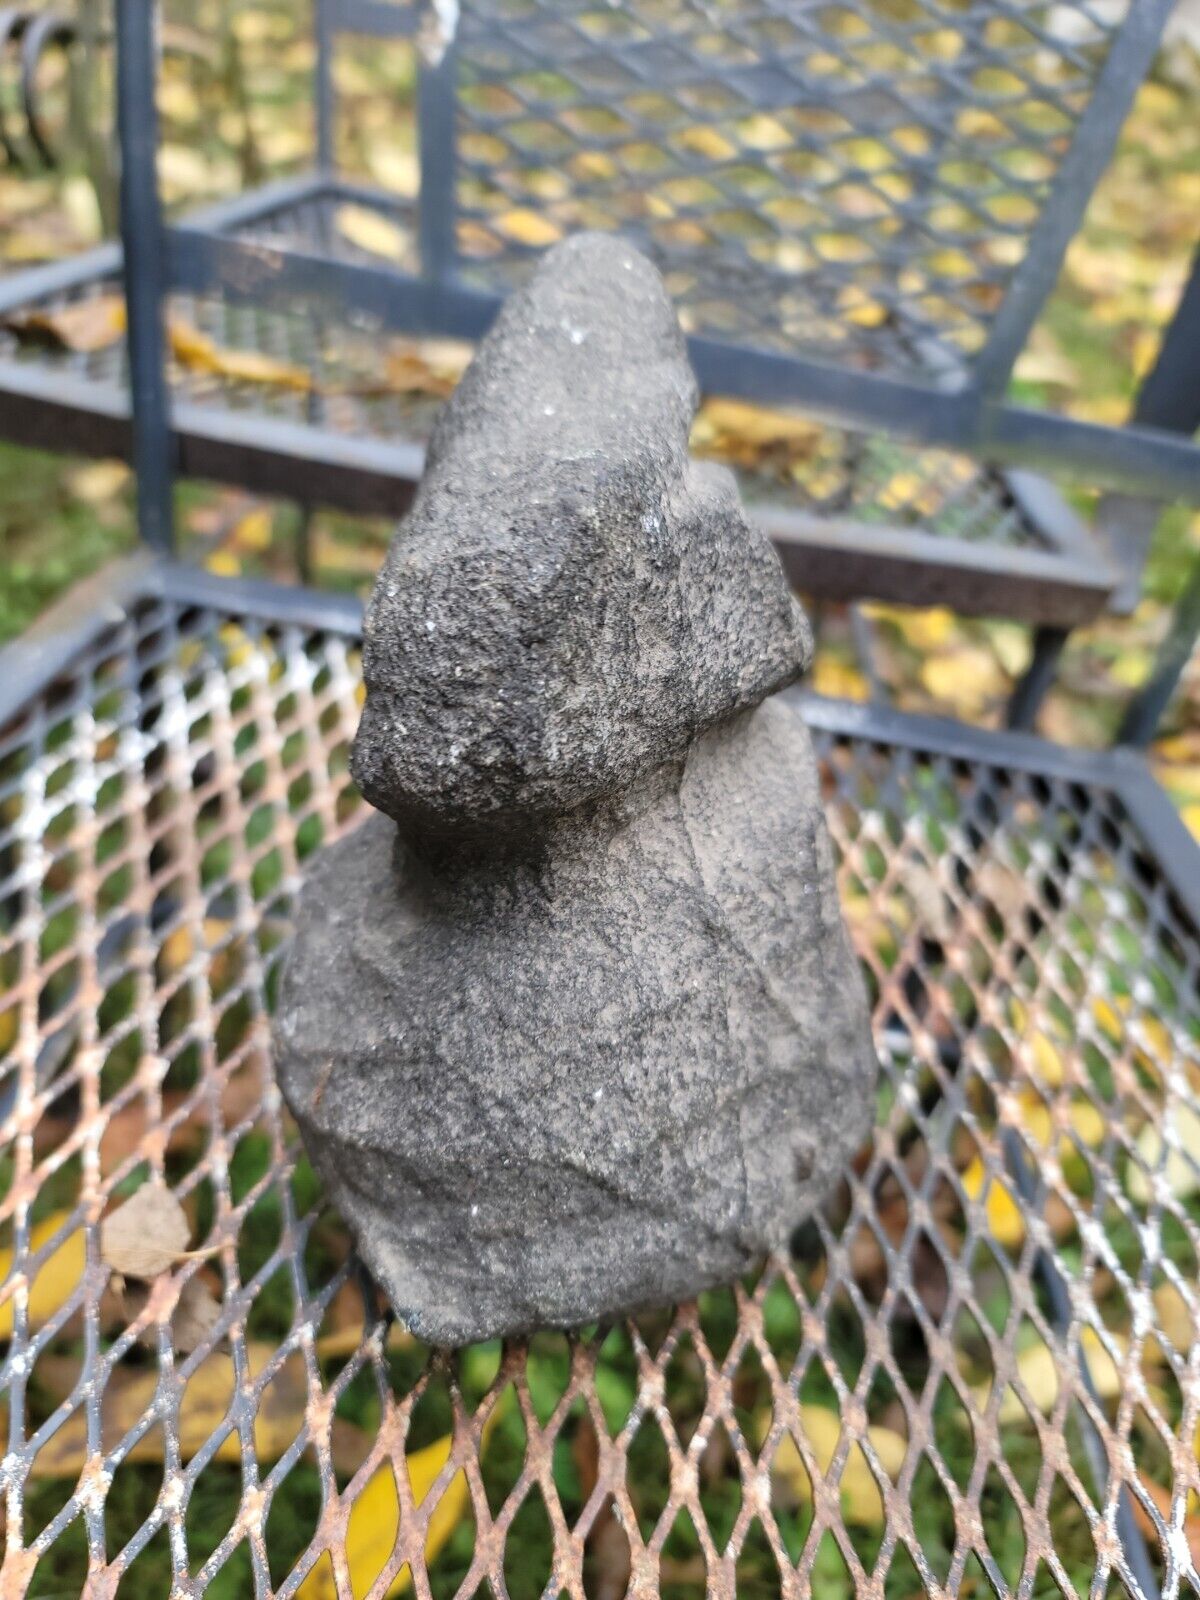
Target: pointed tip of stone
{"points": [[570, 601]]}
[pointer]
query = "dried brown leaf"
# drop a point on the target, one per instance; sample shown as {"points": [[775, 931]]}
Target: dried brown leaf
{"points": [[1004, 887], [929, 902], [147, 1235], [85, 326], [195, 1316]]}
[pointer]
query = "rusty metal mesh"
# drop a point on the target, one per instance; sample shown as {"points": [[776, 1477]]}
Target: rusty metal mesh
{"points": [[976, 1370]]}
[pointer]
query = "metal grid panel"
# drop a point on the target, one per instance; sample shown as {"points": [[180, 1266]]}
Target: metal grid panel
{"points": [[348, 376], [856, 179], [875, 480], [1035, 1004]]}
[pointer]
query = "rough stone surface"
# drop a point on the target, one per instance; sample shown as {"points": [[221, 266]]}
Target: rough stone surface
{"points": [[580, 1029]]}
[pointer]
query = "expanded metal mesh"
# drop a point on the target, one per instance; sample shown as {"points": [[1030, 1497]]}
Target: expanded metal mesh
{"points": [[856, 179], [975, 1370], [352, 377]]}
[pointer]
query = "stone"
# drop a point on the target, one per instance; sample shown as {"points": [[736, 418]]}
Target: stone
{"points": [[570, 1024]]}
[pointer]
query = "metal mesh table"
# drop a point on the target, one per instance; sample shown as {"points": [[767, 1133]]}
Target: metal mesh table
{"points": [[976, 1369], [292, 401]]}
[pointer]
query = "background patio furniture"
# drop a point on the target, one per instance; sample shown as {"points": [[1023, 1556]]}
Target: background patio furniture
{"points": [[860, 209]]}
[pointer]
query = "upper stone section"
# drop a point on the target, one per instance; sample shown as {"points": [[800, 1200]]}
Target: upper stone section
{"points": [[570, 601]]}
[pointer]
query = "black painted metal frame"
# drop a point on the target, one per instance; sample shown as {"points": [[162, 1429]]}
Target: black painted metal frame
{"points": [[1063, 584]]}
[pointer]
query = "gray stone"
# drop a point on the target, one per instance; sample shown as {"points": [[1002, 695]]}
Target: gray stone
{"points": [[575, 1027]]}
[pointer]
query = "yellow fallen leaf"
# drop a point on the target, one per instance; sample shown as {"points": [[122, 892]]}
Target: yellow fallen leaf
{"points": [[56, 1279], [147, 1235], [196, 350], [593, 165], [85, 325], [1182, 777], [758, 425], [371, 231], [862, 1502], [1039, 1373], [969, 678], [1183, 1178], [1034, 1116], [1179, 748], [185, 171], [924, 630], [238, 647], [375, 1521], [177, 99], [395, 166], [1101, 1366], [1005, 1222], [1110, 1014], [1089, 1123], [408, 370], [1047, 364], [283, 142], [868, 315], [130, 1392], [761, 132], [527, 227], [1174, 1317], [253, 531], [23, 245], [79, 201], [1046, 1061], [706, 141], [1010, 643], [224, 563], [833, 677], [98, 481], [1131, 668], [254, 26], [1191, 818], [1159, 1040]]}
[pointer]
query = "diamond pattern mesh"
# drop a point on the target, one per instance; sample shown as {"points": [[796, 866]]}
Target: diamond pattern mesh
{"points": [[953, 1382], [855, 179], [351, 377]]}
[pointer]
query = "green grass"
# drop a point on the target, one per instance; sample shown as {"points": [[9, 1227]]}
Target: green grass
{"points": [[50, 537]]}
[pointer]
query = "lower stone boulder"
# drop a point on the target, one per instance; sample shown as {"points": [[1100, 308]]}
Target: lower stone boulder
{"points": [[553, 1077]]}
